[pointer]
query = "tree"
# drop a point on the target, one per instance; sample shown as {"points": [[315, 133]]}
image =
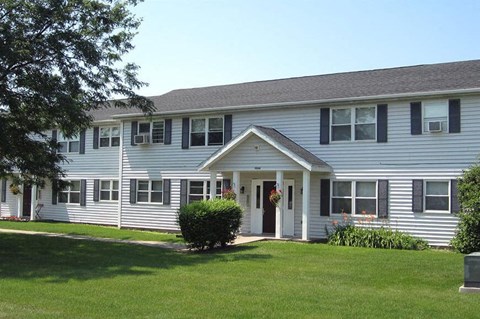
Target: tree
{"points": [[467, 237], [59, 60]]}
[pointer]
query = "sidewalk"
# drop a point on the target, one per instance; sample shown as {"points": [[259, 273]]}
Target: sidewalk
{"points": [[175, 246]]}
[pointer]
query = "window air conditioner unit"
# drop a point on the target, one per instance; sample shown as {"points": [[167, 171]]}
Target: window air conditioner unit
{"points": [[434, 127], [142, 139]]}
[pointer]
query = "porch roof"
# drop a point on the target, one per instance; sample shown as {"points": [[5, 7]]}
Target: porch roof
{"points": [[277, 140]]}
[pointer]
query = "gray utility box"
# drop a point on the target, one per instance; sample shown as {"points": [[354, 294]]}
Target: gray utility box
{"points": [[472, 270]]}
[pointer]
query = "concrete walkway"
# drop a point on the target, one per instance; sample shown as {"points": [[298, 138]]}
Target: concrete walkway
{"points": [[175, 246]]}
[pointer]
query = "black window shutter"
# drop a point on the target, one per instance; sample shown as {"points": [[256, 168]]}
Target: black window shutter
{"points": [[227, 135], [325, 197], [416, 118], [454, 116], [183, 192], [382, 207], [82, 142], [133, 132], [4, 190], [417, 198], [168, 132], [96, 190], [133, 191], [325, 125], [54, 192], [96, 134], [454, 204], [185, 132], [54, 135], [382, 123], [227, 184], [83, 192], [166, 191]]}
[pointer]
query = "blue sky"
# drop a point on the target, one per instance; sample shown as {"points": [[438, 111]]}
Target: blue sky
{"points": [[194, 43]]}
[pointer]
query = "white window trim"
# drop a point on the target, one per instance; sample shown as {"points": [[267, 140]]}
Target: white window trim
{"points": [[353, 196], [352, 123], [62, 139], [110, 130], [149, 191], [206, 130], [151, 130], [442, 102], [449, 196], [206, 192], [68, 192], [111, 190]]}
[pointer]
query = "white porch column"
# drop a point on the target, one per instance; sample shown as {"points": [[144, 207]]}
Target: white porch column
{"points": [[279, 208], [34, 201], [306, 205], [213, 184], [236, 185], [20, 202]]}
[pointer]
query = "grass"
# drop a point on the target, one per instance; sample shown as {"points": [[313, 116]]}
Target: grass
{"points": [[91, 230], [42, 277]]}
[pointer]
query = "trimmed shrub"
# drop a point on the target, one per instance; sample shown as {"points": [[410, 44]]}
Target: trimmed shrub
{"points": [[349, 235], [467, 237], [206, 224]]}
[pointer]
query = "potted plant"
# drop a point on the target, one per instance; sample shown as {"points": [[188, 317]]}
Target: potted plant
{"points": [[15, 189], [228, 193], [275, 196]]}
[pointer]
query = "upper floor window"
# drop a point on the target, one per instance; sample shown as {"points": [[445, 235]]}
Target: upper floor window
{"points": [[435, 116], [200, 190], [155, 129], [149, 191], [358, 197], [109, 136], [353, 124], [71, 194], [206, 131], [68, 145]]}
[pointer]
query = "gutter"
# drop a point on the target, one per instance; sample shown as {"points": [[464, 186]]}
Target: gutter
{"points": [[332, 102]]}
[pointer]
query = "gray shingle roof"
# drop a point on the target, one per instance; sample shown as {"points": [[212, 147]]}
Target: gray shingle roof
{"points": [[291, 146], [402, 80]]}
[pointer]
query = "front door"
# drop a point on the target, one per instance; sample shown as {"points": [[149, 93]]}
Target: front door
{"points": [[268, 208], [27, 200]]}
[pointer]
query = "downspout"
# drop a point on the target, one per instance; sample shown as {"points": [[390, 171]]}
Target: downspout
{"points": [[120, 177]]}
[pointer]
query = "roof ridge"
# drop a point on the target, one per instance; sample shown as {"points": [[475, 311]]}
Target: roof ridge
{"points": [[316, 76]]}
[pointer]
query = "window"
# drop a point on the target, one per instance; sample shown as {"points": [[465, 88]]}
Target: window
{"points": [[358, 124], [68, 145], [71, 194], [108, 190], [437, 196], [155, 129], [200, 190], [357, 197], [109, 136], [150, 191], [435, 111], [206, 131]]}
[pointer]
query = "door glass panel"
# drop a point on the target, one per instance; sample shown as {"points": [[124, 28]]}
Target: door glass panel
{"points": [[258, 197], [290, 197]]}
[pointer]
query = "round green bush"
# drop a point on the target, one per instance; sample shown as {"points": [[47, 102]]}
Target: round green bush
{"points": [[206, 224]]}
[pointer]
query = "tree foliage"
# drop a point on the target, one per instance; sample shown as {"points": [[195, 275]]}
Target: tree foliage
{"points": [[467, 237], [60, 60]]}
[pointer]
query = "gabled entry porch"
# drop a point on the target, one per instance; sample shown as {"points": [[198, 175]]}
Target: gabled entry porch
{"points": [[260, 160]]}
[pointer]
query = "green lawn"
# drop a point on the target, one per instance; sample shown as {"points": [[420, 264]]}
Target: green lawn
{"points": [[42, 277], [92, 230]]}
